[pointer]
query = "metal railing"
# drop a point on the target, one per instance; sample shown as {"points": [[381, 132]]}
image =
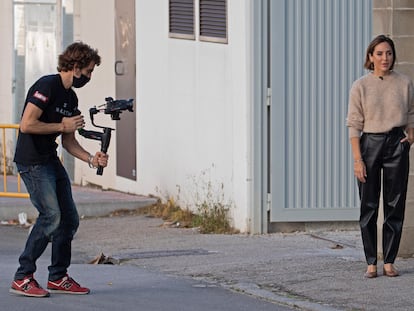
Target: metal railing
{"points": [[6, 193]]}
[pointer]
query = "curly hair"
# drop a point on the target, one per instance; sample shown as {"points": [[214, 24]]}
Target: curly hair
{"points": [[79, 54]]}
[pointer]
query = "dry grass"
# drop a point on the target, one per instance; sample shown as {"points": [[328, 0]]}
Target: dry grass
{"points": [[209, 219]]}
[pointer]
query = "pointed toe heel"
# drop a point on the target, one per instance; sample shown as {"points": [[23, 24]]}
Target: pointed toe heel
{"points": [[370, 275], [392, 273]]}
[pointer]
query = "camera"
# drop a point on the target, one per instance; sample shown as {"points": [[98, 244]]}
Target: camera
{"points": [[114, 107]]}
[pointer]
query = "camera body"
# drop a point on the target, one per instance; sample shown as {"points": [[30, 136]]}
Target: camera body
{"points": [[114, 107]]}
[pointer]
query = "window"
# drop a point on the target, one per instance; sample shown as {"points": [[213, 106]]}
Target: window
{"points": [[213, 20], [181, 19]]}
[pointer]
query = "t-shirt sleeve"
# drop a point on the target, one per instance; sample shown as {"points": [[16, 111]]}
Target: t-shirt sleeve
{"points": [[39, 94]]}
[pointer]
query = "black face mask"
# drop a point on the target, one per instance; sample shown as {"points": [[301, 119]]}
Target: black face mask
{"points": [[79, 82]]}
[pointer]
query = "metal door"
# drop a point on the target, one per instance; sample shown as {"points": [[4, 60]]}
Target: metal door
{"points": [[125, 71], [316, 51]]}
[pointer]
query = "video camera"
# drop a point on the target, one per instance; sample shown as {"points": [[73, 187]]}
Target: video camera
{"points": [[114, 108]]}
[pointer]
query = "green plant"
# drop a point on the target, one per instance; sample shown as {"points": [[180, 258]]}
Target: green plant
{"points": [[212, 210], [209, 210]]}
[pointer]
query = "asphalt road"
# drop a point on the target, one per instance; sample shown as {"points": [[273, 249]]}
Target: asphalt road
{"points": [[118, 287], [164, 267]]}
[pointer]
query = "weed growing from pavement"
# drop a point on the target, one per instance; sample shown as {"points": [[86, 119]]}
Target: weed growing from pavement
{"points": [[210, 212], [171, 213]]}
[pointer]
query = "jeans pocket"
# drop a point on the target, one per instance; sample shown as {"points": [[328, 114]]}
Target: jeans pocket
{"points": [[23, 169], [26, 173]]}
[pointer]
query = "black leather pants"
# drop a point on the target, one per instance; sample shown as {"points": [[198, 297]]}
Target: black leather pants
{"points": [[383, 153]]}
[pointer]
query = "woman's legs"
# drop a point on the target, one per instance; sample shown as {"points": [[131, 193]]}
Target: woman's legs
{"points": [[383, 152], [369, 192], [395, 179]]}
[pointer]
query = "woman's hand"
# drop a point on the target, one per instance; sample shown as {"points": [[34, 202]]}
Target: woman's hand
{"points": [[407, 139], [409, 136], [360, 171]]}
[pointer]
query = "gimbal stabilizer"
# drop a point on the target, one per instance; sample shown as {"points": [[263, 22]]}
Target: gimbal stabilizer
{"points": [[114, 108]]}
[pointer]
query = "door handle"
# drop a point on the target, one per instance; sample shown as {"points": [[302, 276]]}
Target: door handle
{"points": [[119, 68]]}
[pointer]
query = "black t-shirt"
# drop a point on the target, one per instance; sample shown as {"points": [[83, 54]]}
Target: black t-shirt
{"points": [[49, 94]]}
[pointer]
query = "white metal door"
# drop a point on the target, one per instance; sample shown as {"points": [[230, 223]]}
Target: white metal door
{"points": [[125, 72], [316, 51]]}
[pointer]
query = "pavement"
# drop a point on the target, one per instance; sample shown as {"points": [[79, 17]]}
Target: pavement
{"points": [[90, 201], [318, 270]]}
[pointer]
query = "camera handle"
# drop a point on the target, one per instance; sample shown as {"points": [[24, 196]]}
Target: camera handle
{"points": [[104, 138]]}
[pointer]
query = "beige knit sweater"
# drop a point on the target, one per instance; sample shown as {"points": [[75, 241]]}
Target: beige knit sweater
{"points": [[377, 105]]}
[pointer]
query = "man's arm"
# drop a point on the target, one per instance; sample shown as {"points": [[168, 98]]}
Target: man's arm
{"points": [[30, 123], [71, 144]]}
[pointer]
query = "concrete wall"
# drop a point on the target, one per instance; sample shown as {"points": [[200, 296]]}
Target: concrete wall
{"points": [[396, 18]]}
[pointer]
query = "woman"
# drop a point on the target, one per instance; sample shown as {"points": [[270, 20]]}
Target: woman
{"points": [[381, 130]]}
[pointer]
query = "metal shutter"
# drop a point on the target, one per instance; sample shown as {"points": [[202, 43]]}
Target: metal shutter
{"points": [[213, 20], [181, 19]]}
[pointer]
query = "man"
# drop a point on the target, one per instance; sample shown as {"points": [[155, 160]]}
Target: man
{"points": [[51, 110]]}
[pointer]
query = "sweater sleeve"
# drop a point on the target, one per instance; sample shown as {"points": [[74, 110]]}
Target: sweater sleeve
{"points": [[355, 118], [410, 119]]}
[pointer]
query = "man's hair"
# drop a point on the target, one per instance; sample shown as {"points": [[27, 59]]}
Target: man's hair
{"points": [[79, 54]]}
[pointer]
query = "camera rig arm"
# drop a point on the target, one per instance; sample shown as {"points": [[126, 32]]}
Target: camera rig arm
{"points": [[104, 137], [114, 108]]}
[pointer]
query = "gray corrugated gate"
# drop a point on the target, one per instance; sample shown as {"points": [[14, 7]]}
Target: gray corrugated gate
{"points": [[317, 50]]}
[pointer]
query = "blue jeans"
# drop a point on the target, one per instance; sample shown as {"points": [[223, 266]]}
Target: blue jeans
{"points": [[51, 194]]}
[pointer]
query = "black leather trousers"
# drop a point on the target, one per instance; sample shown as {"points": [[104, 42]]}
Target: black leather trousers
{"points": [[383, 153]]}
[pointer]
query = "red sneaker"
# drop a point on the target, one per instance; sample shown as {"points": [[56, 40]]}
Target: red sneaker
{"points": [[67, 285], [28, 287]]}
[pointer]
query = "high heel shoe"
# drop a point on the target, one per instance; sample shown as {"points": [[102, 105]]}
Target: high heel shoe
{"points": [[391, 273], [370, 275]]}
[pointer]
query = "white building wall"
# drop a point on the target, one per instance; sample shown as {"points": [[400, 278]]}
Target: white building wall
{"points": [[192, 103], [6, 80], [6, 61], [193, 109], [94, 25]]}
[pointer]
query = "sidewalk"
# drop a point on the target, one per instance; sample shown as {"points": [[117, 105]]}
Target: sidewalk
{"points": [[312, 271], [320, 271], [89, 201]]}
